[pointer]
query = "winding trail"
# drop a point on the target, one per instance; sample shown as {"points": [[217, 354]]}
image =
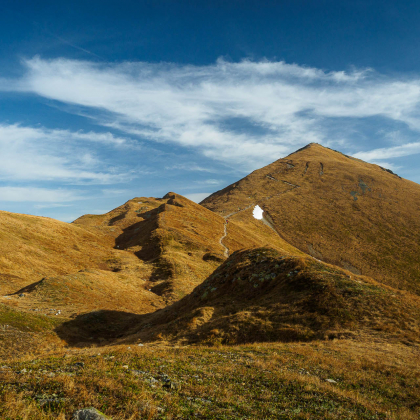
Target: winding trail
{"points": [[266, 221], [226, 249]]}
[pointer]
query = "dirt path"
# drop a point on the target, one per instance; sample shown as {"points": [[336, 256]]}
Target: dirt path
{"points": [[226, 249], [264, 219]]}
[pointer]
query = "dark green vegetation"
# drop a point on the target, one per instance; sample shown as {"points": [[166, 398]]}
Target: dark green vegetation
{"points": [[14, 319]]}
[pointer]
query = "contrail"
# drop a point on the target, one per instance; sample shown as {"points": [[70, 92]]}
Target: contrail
{"points": [[77, 47], [71, 44]]}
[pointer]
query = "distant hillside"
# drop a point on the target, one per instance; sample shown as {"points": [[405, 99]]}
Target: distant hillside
{"points": [[133, 311], [33, 247], [336, 255], [338, 209]]}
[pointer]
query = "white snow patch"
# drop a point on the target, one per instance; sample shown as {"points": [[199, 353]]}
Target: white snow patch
{"points": [[258, 212]]}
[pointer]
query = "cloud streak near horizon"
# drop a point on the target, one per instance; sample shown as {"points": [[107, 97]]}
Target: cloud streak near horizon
{"points": [[40, 154], [243, 114]]}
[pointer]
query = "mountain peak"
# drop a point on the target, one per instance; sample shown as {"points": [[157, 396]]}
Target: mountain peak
{"points": [[337, 208], [316, 148]]}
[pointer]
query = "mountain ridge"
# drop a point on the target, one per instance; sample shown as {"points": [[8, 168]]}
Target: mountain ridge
{"points": [[153, 254], [165, 308]]}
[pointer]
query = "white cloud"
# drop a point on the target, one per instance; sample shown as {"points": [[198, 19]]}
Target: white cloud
{"points": [[389, 152], [47, 205], [209, 182], [387, 165], [40, 154], [206, 107], [190, 167], [38, 195]]}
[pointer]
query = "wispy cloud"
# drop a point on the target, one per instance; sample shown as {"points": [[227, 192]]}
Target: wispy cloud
{"points": [[389, 152], [205, 107], [40, 154], [190, 167], [38, 195], [209, 182]]}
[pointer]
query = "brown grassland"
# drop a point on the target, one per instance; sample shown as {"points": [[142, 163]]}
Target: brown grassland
{"points": [[166, 309], [373, 380], [338, 209]]}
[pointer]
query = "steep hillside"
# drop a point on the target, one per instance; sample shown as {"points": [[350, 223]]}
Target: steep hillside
{"points": [[180, 240], [136, 258], [336, 208], [261, 295]]}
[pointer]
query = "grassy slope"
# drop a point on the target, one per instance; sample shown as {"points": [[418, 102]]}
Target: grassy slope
{"points": [[25, 333], [345, 212], [174, 245], [272, 381], [34, 247], [262, 295], [178, 239], [122, 261]]}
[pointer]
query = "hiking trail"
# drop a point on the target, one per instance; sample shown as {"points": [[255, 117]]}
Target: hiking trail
{"points": [[226, 249]]}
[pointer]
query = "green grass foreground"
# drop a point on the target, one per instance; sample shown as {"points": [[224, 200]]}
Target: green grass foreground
{"points": [[265, 381]]}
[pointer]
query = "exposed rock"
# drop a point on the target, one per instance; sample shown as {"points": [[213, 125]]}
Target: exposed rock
{"points": [[79, 365], [89, 414], [171, 385]]}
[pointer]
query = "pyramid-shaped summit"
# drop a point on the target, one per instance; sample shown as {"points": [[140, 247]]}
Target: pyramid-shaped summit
{"points": [[338, 209]]}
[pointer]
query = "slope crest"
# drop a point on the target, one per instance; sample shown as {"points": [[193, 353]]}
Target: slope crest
{"points": [[263, 295]]}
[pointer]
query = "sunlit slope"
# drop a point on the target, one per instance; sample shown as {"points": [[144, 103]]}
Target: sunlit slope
{"points": [[34, 247], [263, 295], [55, 269], [338, 209], [180, 240]]}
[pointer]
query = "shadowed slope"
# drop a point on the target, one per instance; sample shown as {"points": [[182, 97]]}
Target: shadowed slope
{"points": [[338, 209], [262, 295], [180, 240], [136, 258]]}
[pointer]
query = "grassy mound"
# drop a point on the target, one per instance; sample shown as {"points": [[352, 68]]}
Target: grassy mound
{"points": [[261, 295], [22, 332]]}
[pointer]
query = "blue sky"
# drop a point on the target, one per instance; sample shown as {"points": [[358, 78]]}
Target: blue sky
{"points": [[104, 101]]}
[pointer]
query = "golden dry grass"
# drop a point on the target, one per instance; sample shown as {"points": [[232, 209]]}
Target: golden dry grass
{"points": [[265, 381], [261, 295], [178, 239], [346, 212], [153, 272], [132, 260], [34, 247]]}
